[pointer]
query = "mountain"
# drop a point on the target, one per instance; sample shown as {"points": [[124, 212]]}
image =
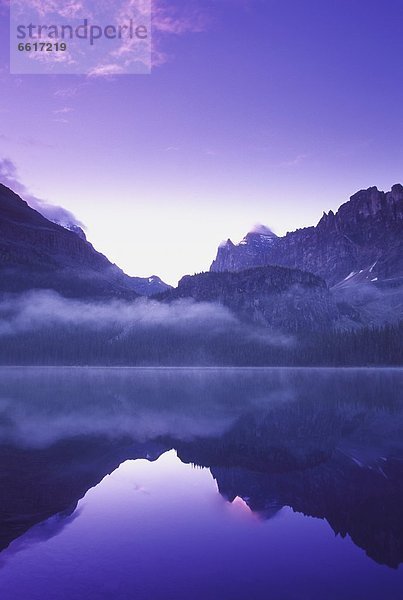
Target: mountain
{"points": [[74, 228], [149, 286], [36, 253], [253, 251], [364, 236], [286, 299]]}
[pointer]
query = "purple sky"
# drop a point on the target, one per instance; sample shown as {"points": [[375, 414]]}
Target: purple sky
{"points": [[261, 111]]}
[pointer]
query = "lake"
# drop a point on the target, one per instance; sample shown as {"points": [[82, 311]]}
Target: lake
{"points": [[213, 484]]}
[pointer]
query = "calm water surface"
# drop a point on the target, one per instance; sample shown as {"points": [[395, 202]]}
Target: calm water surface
{"points": [[201, 484]]}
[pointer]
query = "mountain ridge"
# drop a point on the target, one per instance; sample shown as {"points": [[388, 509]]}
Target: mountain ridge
{"points": [[366, 231], [36, 253], [281, 298]]}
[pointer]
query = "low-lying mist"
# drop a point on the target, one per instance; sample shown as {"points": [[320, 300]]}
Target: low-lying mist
{"points": [[45, 328], [43, 323], [36, 309]]}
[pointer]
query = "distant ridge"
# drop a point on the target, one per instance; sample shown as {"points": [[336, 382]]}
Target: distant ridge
{"points": [[36, 253], [365, 233]]}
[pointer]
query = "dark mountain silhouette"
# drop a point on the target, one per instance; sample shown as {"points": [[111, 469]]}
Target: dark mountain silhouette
{"points": [[364, 238], [39, 484], [284, 299], [38, 254]]}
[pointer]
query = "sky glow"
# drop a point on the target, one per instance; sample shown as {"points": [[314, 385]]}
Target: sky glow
{"points": [[255, 111]]}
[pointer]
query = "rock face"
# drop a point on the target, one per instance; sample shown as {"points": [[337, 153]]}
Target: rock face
{"points": [[366, 234], [285, 299], [74, 228], [253, 251], [38, 254], [149, 286]]}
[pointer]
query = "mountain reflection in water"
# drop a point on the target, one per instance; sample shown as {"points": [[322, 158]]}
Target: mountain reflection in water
{"points": [[100, 497]]}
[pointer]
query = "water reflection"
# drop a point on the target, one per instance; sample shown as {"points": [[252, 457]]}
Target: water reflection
{"points": [[273, 446]]}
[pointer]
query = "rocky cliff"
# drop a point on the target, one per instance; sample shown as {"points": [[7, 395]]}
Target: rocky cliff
{"points": [[285, 299], [365, 235], [38, 254]]}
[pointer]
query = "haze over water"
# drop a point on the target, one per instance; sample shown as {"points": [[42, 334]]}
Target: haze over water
{"points": [[202, 483]]}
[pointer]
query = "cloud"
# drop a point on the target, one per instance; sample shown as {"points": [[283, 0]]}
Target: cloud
{"points": [[68, 92], [294, 162], [61, 114], [38, 309], [31, 311], [170, 20], [63, 111], [167, 19], [370, 304], [106, 70], [70, 9], [57, 214], [187, 17], [112, 404]]}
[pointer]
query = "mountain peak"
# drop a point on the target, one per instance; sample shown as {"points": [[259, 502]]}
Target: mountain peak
{"points": [[397, 191], [225, 243], [37, 253], [262, 230], [365, 231], [15, 208], [74, 228]]}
